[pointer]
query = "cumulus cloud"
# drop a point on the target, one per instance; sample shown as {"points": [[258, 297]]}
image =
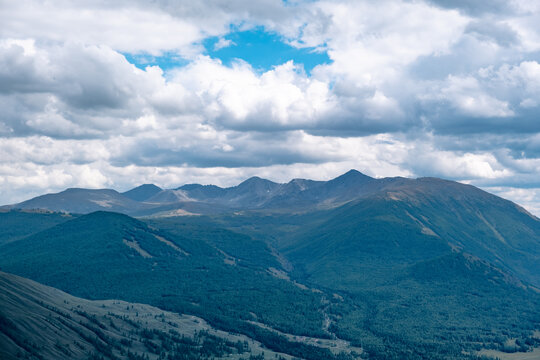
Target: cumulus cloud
{"points": [[413, 88], [476, 7], [127, 28], [499, 33]]}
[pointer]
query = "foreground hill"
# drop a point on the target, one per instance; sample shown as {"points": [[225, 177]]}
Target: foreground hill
{"points": [[40, 322], [105, 255]]}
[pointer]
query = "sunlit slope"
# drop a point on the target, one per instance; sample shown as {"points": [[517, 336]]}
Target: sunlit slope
{"points": [[40, 322], [418, 220]]}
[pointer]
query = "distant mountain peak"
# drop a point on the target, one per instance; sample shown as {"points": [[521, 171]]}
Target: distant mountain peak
{"points": [[148, 186], [256, 181], [354, 172], [351, 176], [145, 187], [142, 192]]}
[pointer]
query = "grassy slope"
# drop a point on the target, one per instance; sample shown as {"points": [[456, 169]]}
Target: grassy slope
{"points": [[425, 218], [41, 322]]}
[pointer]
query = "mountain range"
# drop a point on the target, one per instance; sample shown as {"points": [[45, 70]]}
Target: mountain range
{"points": [[354, 267], [253, 193]]}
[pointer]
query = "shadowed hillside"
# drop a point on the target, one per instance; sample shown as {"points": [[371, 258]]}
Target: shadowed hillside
{"points": [[40, 322]]}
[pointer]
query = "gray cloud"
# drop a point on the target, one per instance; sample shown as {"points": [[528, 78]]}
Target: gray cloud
{"points": [[237, 150], [420, 90], [478, 7], [500, 33]]}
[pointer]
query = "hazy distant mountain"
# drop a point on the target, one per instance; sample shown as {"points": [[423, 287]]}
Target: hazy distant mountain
{"points": [[82, 201], [257, 193], [169, 196], [203, 192], [253, 193], [143, 192]]}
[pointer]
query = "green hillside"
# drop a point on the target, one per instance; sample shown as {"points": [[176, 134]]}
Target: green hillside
{"points": [[112, 256], [15, 225]]}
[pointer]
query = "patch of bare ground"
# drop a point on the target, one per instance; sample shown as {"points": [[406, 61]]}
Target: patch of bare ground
{"points": [[133, 244], [171, 244], [336, 346]]}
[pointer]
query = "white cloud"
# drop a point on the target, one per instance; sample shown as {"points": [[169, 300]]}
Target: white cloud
{"points": [[465, 94], [126, 28], [528, 198], [404, 77], [447, 164], [238, 97], [223, 43], [371, 48], [523, 78]]}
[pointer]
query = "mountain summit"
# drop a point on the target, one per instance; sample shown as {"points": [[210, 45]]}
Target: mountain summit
{"points": [[143, 192]]}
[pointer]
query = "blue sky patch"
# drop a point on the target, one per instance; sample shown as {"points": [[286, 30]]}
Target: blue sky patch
{"points": [[263, 50], [165, 62]]}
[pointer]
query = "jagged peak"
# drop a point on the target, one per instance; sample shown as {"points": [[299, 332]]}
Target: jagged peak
{"points": [[352, 174]]}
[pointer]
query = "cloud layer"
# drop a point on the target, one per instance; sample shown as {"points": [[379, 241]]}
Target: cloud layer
{"points": [[414, 88]]}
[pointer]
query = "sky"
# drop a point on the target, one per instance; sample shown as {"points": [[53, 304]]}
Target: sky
{"points": [[102, 94]]}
